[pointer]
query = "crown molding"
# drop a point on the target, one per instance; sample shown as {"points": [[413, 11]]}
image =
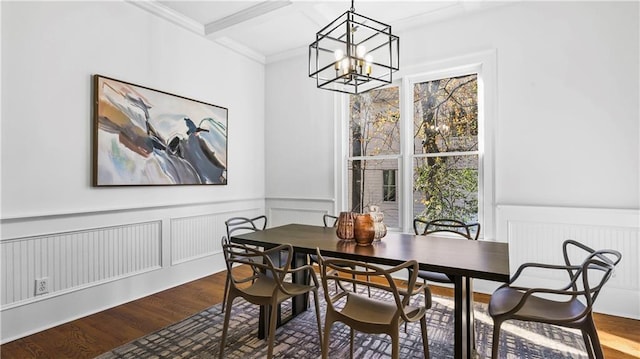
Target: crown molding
{"points": [[287, 54], [169, 14], [241, 49]]}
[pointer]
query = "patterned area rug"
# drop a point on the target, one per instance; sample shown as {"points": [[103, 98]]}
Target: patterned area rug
{"points": [[199, 337]]}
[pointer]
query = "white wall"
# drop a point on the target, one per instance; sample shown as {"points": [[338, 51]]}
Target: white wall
{"points": [[53, 221], [50, 51], [567, 127], [568, 106], [300, 146]]}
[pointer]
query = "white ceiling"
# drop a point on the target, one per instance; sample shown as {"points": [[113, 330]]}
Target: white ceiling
{"points": [[271, 30]]}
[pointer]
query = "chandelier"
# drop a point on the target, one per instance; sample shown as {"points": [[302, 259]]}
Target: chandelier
{"points": [[354, 54]]}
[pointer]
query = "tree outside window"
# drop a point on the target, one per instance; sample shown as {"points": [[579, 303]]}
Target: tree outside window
{"points": [[445, 171]]}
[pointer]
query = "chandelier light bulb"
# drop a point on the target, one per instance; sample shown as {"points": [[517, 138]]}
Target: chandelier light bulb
{"points": [[345, 65], [339, 54], [368, 59], [361, 50]]}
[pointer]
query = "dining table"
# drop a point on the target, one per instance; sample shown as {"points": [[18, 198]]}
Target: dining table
{"points": [[461, 260]]}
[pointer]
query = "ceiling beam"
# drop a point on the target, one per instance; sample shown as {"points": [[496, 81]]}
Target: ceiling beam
{"points": [[244, 15]]}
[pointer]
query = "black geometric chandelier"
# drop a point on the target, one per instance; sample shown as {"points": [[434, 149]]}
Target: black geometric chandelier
{"points": [[354, 54]]}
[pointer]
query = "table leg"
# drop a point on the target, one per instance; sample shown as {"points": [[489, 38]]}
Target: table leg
{"points": [[298, 304], [463, 336]]}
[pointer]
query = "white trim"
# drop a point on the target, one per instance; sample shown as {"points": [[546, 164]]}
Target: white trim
{"points": [[341, 115], [59, 293], [47, 215], [301, 199], [241, 49], [287, 54], [156, 8]]}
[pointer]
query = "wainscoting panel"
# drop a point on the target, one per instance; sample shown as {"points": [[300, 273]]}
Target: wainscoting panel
{"points": [[536, 234], [195, 237], [283, 211], [76, 259]]}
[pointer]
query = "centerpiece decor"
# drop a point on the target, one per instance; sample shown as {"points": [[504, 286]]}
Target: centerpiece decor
{"points": [[363, 229]]}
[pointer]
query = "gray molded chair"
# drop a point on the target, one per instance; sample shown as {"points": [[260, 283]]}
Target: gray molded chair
{"points": [[268, 286], [570, 306], [240, 225], [371, 315], [329, 220], [244, 224], [462, 231]]}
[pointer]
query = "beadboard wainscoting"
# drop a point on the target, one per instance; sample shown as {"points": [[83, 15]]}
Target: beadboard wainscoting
{"points": [[94, 261], [283, 211], [535, 234]]}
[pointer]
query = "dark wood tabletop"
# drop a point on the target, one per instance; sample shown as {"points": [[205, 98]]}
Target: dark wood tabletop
{"points": [[474, 259]]}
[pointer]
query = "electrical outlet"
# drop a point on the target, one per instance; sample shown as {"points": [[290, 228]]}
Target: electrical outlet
{"points": [[42, 286]]}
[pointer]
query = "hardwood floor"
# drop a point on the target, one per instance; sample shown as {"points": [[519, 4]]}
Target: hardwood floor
{"points": [[98, 333]]}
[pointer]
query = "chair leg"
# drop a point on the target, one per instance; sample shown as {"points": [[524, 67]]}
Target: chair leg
{"points": [[227, 314], [595, 340], [351, 335], [425, 337], [325, 341], [354, 284], [226, 291], [495, 344], [317, 304], [395, 344], [587, 343], [368, 287], [273, 309]]}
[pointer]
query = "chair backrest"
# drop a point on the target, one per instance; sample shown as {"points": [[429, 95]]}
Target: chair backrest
{"points": [[243, 224], [329, 220], [468, 230], [261, 264], [344, 273], [594, 271]]}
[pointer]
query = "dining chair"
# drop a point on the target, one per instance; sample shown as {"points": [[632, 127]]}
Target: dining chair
{"points": [[371, 315], [460, 230], [331, 221], [569, 306], [240, 225], [265, 285]]}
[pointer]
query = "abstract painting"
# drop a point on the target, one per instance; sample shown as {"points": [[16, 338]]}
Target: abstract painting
{"points": [[146, 137]]}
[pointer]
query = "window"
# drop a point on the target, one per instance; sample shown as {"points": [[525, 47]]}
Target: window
{"points": [[389, 185], [374, 149], [445, 148], [423, 147]]}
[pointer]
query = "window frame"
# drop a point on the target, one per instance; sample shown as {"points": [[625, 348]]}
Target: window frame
{"points": [[482, 63]]}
